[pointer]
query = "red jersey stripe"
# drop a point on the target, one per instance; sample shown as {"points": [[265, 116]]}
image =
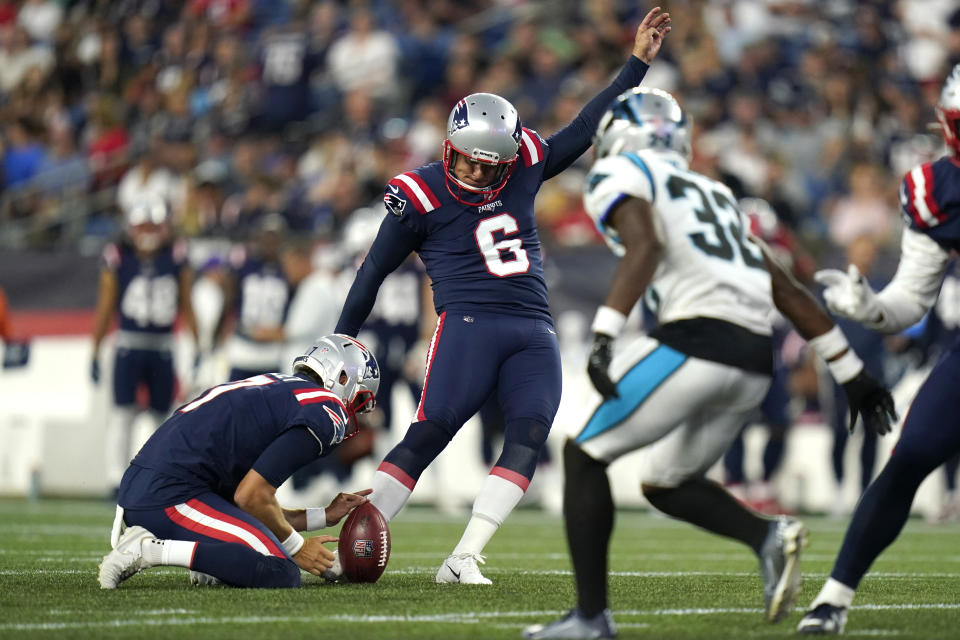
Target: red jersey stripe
{"points": [[410, 193], [928, 197], [209, 511], [910, 207], [423, 187], [431, 352]]}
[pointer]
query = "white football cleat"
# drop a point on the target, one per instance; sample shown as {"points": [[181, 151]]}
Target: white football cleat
{"points": [[200, 579], [126, 558], [780, 566], [335, 572], [461, 568]]}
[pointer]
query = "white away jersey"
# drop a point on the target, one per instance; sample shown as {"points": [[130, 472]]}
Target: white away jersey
{"points": [[709, 268]]}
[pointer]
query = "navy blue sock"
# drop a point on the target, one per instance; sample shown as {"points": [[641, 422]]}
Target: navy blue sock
{"points": [[773, 452], [733, 462]]}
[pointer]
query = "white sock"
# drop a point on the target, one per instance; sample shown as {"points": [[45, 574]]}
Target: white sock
{"points": [[497, 499], [169, 553], [391, 489], [834, 592]]}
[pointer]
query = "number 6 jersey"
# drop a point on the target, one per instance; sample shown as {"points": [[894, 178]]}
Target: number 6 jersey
{"points": [[709, 267], [484, 257]]}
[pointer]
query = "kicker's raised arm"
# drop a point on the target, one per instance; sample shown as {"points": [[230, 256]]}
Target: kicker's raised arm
{"points": [[572, 141]]}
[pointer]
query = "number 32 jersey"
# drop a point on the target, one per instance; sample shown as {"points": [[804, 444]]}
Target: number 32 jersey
{"points": [[709, 267]]}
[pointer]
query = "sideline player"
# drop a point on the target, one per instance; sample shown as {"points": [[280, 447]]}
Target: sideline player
{"points": [[470, 218], [930, 199], [259, 292], [201, 492], [146, 279], [687, 387]]}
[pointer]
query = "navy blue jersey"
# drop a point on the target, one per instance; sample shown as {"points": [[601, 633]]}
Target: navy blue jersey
{"points": [[263, 293], [148, 288], [930, 199], [479, 258], [214, 440]]}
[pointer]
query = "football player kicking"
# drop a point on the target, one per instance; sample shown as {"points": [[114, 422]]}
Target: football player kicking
{"points": [[201, 492], [688, 387], [470, 218], [930, 199]]}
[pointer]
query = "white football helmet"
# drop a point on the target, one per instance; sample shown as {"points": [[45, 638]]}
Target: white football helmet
{"points": [[147, 224], [346, 368], [483, 127], [948, 111], [642, 118]]}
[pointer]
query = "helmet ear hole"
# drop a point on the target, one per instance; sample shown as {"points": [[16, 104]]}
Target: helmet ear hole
{"points": [[343, 377]]}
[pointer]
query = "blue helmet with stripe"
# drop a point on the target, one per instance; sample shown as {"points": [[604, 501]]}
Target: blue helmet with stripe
{"points": [[643, 118]]}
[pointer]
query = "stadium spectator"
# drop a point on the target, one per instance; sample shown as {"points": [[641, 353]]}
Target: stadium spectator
{"points": [[24, 154], [365, 57]]}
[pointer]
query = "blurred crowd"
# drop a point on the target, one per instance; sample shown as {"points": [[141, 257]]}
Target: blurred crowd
{"points": [[240, 112], [235, 109]]}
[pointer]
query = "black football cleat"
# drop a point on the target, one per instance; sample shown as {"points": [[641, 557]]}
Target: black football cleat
{"points": [[823, 620]]}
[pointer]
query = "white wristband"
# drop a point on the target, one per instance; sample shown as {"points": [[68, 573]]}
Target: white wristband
{"points": [[846, 367], [608, 321], [293, 543], [831, 344], [316, 518]]}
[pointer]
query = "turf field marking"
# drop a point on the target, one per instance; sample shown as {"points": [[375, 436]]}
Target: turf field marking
{"points": [[469, 617]]}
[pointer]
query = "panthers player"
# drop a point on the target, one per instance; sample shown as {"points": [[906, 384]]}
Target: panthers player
{"points": [[146, 279], [930, 199], [470, 218], [201, 492], [687, 387]]}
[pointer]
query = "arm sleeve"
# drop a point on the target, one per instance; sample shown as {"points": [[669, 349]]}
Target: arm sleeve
{"points": [[569, 143], [294, 449], [394, 242], [914, 287]]}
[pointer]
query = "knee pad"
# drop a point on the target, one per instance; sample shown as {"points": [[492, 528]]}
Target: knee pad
{"points": [[522, 441], [422, 443]]}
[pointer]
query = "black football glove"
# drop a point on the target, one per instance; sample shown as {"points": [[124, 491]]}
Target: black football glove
{"points": [[598, 366], [870, 399], [95, 370]]}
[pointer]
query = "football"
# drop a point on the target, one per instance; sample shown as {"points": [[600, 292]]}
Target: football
{"points": [[364, 544]]}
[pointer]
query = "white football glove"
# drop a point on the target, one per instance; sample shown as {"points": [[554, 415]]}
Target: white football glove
{"points": [[849, 294]]}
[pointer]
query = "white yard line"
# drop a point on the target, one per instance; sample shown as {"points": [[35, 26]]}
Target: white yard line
{"points": [[469, 617]]}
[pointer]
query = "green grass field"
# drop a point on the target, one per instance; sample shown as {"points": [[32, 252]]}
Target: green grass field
{"points": [[669, 581]]}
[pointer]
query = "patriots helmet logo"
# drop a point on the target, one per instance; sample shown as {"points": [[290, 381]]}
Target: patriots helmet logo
{"points": [[517, 132], [373, 369], [394, 203], [460, 118]]}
